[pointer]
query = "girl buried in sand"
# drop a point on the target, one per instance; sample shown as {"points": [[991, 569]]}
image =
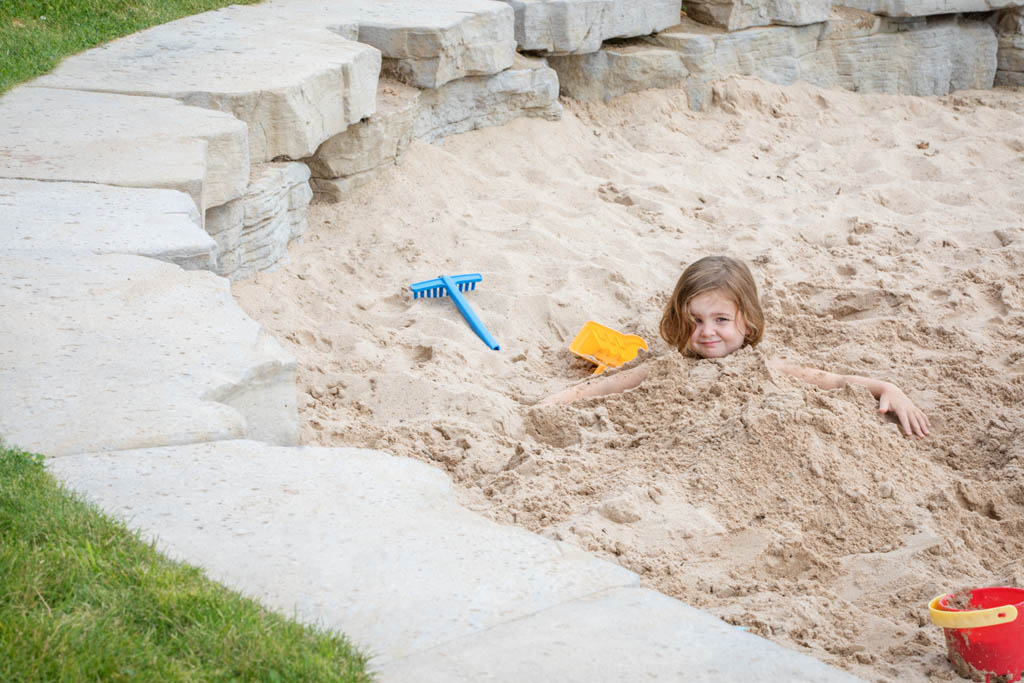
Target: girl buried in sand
{"points": [[714, 311]]}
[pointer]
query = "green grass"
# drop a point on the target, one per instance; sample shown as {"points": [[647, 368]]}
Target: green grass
{"points": [[36, 34], [84, 599], [81, 597]]}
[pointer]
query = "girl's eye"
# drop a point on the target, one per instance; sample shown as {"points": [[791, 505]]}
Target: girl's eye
{"points": [[723, 320]]}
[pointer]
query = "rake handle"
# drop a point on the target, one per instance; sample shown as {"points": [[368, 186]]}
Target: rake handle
{"points": [[468, 313]]}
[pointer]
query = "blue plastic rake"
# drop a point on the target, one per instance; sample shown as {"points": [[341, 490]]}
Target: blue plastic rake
{"points": [[453, 286]]}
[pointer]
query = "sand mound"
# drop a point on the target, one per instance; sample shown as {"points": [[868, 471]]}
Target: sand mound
{"points": [[886, 235]]}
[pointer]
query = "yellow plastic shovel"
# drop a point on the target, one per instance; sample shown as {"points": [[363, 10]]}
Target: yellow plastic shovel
{"points": [[607, 347]]}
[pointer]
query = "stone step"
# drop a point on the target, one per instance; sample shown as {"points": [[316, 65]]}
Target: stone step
{"points": [[289, 70], [146, 142], [560, 27], [102, 352], [427, 43], [86, 218], [377, 547], [253, 232], [734, 15]]}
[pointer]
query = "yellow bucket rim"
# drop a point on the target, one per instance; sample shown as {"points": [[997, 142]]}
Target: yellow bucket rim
{"points": [[970, 618]]}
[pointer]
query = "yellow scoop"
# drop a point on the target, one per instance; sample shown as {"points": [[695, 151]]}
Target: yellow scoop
{"points": [[605, 346]]}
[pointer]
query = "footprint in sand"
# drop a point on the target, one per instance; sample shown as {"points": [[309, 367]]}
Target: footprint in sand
{"points": [[610, 193]]}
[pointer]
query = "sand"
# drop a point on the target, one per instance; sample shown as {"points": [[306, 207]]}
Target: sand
{"points": [[887, 236]]}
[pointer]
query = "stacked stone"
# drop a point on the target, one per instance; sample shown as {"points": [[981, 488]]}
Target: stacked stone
{"points": [[281, 78], [116, 169], [930, 47], [1010, 58], [449, 67], [176, 149], [453, 66], [253, 231]]}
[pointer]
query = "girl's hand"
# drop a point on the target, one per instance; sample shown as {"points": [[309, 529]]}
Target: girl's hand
{"points": [[912, 419]]}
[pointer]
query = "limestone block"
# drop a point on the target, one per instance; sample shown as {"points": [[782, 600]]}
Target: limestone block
{"points": [[334, 190], [425, 42], [147, 142], [101, 352], [529, 88], [563, 27], [921, 8], [733, 15], [253, 232], [852, 51], [1010, 55], [431, 42], [1011, 22], [355, 157], [355, 540], [88, 218], [374, 142], [771, 53], [844, 23], [948, 54], [286, 71], [614, 71]]}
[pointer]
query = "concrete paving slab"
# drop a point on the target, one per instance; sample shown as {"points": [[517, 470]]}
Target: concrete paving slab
{"points": [[101, 219], [580, 26], [116, 351], [623, 634], [358, 540], [66, 135], [377, 546], [295, 76]]}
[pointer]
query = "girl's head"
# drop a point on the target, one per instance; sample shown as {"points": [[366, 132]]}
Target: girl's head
{"points": [[714, 309]]}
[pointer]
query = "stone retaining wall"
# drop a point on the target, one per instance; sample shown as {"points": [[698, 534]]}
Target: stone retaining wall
{"points": [[139, 173], [200, 143], [852, 49], [345, 87]]}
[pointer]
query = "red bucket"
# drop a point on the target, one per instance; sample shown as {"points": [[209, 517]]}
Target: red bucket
{"points": [[986, 640]]}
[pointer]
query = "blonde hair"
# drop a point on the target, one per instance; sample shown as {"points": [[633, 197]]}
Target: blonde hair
{"points": [[724, 274]]}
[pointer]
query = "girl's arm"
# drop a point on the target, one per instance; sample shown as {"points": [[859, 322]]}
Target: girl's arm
{"points": [[890, 397], [600, 386]]}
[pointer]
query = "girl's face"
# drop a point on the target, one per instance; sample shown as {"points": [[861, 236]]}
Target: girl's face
{"points": [[720, 329]]}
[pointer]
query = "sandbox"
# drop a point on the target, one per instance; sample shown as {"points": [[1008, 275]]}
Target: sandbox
{"points": [[885, 234]]}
